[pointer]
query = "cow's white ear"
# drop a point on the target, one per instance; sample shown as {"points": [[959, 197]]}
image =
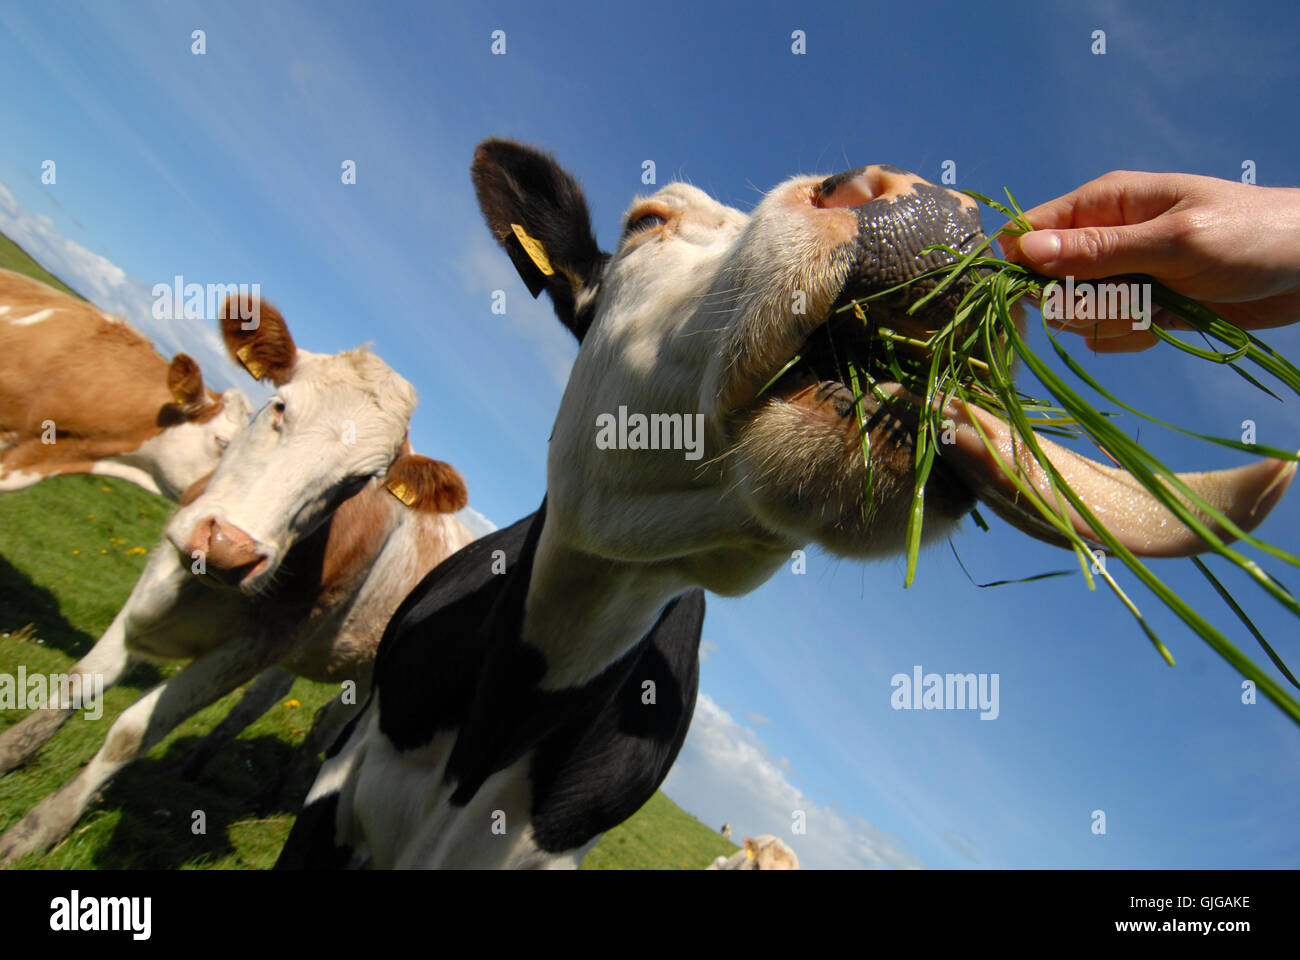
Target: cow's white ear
{"points": [[537, 212]]}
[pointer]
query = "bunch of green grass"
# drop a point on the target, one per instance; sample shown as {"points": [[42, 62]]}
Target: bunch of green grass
{"points": [[971, 358]]}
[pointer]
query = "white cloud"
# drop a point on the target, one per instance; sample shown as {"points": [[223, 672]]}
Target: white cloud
{"points": [[108, 286], [726, 775], [475, 521]]}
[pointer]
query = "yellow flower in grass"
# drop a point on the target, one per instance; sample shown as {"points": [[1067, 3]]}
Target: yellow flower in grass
{"points": [[292, 704], [136, 551], [76, 553]]}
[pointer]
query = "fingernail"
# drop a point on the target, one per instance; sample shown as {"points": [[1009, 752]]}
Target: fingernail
{"points": [[1041, 246]]}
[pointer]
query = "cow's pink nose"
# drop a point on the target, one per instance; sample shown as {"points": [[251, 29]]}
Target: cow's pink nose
{"points": [[228, 553]]}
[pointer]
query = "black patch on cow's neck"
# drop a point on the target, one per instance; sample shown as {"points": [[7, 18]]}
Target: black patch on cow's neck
{"points": [[295, 592], [453, 658], [603, 764], [433, 652], [311, 842]]}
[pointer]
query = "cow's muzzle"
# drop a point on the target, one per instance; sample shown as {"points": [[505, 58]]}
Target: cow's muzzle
{"points": [[228, 554]]}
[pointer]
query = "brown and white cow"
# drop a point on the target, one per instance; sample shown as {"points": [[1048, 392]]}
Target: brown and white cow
{"points": [[514, 718], [295, 552], [82, 392]]}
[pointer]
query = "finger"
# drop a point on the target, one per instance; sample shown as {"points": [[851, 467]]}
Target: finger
{"points": [[1261, 314], [1090, 252], [1099, 329], [1082, 315], [1166, 320], [1119, 198], [1135, 342], [1131, 341]]}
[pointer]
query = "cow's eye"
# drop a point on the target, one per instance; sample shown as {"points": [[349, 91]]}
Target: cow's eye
{"points": [[222, 442], [277, 412]]}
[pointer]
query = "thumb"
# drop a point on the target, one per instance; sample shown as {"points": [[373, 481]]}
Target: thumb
{"points": [[1090, 252]]}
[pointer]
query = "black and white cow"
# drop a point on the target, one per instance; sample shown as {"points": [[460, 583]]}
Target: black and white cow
{"points": [[535, 688]]}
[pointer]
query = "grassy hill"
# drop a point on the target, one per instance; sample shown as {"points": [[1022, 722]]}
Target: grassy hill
{"points": [[71, 548], [14, 257], [660, 836]]}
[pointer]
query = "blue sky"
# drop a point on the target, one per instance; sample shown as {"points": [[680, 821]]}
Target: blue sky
{"points": [[226, 167]]}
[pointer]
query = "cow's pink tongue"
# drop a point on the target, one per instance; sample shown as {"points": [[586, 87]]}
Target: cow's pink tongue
{"points": [[1244, 495]]}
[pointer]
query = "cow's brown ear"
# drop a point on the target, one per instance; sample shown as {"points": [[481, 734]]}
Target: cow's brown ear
{"points": [[258, 338], [425, 484], [185, 382], [537, 212]]}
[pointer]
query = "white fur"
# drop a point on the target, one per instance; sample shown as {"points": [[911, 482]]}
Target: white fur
{"points": [[233, 636], [407, 821], [169, 462], [121, 468], [11, 480], [692, 316], [625, 530], [681, 310], [32, 318], [345, 416]]}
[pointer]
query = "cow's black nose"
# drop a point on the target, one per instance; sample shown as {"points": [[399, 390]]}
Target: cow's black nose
{"points": [[901, 217]]}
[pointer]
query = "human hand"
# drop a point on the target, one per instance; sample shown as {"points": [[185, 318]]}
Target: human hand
{"points": [[1234, 247]]}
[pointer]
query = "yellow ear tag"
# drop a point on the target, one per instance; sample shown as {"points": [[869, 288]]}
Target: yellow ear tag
{"points": [[402, 492], [536, 252], [749, 853], [255, 369]]}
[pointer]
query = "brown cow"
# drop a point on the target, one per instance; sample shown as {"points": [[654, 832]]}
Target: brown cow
{"points": [[764, 852], [82, 392], [289, 559]]}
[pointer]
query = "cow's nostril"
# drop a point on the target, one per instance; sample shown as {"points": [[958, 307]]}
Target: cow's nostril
{"points": [[854, 188], [199, 538], [850, 189], [230, 553]]}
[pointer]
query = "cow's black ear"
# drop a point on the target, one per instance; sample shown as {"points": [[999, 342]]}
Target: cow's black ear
{"points": [[536, 210]]}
